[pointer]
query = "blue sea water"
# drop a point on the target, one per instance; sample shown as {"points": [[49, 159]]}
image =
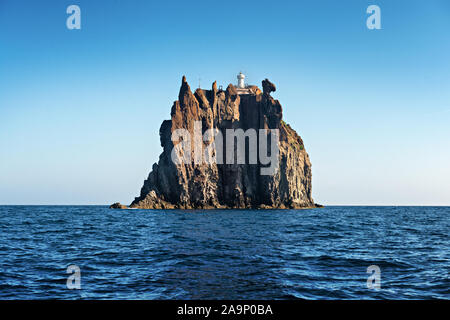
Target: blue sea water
{"points": [[224, 254]]}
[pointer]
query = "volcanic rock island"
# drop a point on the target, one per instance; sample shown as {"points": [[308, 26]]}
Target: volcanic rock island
{"points": [[227, 184]]}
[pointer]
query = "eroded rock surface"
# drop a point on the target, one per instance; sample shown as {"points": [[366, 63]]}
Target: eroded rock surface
{"points": [[189, 186], [118, 205]]}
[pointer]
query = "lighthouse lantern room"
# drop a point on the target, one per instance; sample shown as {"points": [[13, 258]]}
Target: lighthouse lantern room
{"points": [[241, 78]]}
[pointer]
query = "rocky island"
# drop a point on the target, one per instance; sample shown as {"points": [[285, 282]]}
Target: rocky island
{"points": [[226, 184]]}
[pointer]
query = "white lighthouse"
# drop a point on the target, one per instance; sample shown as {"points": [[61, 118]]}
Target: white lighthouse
{"points": [[241, 83]]}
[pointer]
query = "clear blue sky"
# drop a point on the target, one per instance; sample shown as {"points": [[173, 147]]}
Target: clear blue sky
{"points": [[80, 110]]}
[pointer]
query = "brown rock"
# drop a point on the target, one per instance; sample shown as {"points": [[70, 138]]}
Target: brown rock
{"points": [[268, 86], [185, 186], [117, 205]]}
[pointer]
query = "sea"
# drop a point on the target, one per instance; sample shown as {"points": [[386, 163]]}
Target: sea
{"points": [[336, 252]]}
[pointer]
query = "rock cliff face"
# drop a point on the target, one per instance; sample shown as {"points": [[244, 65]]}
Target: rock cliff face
{"points": [[214, 185]]}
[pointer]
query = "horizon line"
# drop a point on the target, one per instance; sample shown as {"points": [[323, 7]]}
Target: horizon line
{"points": [[331, 205]]}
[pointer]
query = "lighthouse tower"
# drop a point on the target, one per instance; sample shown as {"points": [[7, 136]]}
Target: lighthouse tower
{"points": [[241, 78]]}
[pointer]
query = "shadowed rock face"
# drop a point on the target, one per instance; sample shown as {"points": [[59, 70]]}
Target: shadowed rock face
{"points": [[189, 186]]}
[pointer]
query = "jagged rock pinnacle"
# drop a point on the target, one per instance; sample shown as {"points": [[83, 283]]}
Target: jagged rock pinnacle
{"points": [[216, 185], [268, 86]]}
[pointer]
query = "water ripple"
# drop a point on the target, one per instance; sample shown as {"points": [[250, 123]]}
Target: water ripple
{"points": [[224, 254]]}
